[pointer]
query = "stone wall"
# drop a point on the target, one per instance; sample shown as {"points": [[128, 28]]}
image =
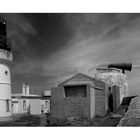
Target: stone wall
{"points": [[100, 109], [95, 102], [57, 95], [115, 78], [132, 116], [62, 106], [76, 107]]}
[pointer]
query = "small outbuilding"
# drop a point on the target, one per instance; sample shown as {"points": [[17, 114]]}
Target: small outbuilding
{"points": [[33, 104], [79, 96]]}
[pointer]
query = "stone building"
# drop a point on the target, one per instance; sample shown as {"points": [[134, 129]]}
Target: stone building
{"points": [[112, 75], [79, 96]]}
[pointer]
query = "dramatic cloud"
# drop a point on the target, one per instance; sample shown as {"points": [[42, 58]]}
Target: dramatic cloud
{"points": [[49, 48], [117, 40]]}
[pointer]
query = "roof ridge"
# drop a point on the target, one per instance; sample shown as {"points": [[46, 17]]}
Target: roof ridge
{"points": [[76, 75], [86, 75]]}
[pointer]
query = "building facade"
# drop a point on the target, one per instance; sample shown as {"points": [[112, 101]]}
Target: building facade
{"points": [[79, 96], [26, 103], [113, 77], [6, 58]]}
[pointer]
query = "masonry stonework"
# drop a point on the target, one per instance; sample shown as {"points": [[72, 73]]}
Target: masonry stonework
{"points": [[94, 103]]}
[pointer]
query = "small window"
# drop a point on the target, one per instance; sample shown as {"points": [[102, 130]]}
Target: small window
{"points": [[46, 104], [6, 72], [24, 105], [75, 91], [7, 106], [42, 108]]}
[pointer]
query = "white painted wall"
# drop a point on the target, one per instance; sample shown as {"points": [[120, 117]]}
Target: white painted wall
{"points": [[35, 106], [19, 108], [3, 112], [5, 90], [15, 108], [23, 109]]}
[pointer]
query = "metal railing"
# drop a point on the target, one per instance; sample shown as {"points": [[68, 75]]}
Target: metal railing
{"points": [[4, 54]]}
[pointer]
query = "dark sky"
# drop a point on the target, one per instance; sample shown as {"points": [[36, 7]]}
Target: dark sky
{"points": [[49, 48]]}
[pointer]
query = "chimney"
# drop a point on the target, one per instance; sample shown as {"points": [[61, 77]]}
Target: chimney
{"points": [[27, 89], [23, 89]]}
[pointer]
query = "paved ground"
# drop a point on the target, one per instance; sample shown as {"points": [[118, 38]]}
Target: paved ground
{"points": [[24, 120], [35, 121], [108, 120], [29, 120]]}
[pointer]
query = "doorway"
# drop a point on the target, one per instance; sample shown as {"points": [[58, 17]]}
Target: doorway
{"points": [[110, 101], [113, 99]]}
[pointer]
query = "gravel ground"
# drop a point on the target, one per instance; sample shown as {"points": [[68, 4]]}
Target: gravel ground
{"points": [[108, 120]]}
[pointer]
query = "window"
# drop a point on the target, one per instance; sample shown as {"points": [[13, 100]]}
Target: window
{"points": [[6, 72], [75, 91], [7, 106], [42, 108], [46, 104], [24, 105]]}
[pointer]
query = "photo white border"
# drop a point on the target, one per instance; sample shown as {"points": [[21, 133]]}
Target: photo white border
{"points": [[69, 133]]}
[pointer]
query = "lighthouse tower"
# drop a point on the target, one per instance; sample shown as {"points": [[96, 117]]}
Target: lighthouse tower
{"points": [[6, 58]]}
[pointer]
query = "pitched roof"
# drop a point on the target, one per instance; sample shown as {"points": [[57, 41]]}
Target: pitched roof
{"points": [[77, 78]]}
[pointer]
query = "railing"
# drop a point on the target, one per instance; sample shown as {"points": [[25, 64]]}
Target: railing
{"points": [[7, 55], [102, 70]]}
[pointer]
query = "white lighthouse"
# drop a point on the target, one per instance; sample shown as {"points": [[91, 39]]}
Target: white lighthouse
{"points": [[6, 58]]}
